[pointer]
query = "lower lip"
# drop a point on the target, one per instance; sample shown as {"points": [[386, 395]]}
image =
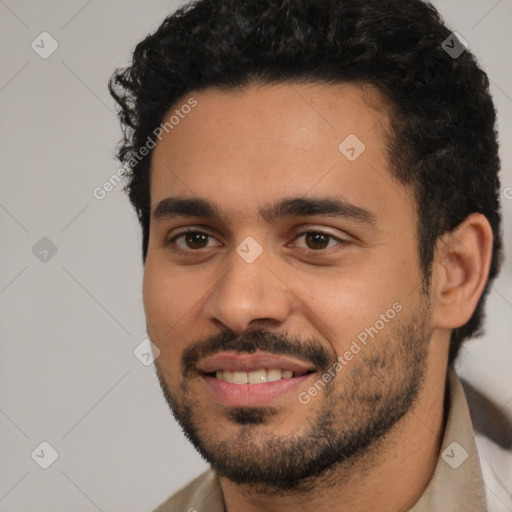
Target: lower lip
{"points": [[252, 395]]}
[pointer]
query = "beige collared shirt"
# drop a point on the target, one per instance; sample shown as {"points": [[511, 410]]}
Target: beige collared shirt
{"points": [[456, 485]]}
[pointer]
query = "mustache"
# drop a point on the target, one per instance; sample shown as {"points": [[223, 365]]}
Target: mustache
{"points": [[311, 350]]}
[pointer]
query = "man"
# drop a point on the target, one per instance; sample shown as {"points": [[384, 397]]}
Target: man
{"points": [[317, 184]]}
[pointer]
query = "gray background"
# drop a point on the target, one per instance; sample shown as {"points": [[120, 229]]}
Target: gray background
{"points": [[69, 325]]}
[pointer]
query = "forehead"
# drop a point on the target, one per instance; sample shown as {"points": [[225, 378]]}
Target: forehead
{"points": [[264, 142]]}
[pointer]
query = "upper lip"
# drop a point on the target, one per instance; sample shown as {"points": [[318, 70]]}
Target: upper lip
{"points": [[236, 362]]}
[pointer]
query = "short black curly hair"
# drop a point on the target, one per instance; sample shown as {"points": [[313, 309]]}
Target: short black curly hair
{"points": [[443, 136]]}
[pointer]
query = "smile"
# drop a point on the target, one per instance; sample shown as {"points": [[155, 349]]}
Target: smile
{"points": [[256, 376], [252, 380]]}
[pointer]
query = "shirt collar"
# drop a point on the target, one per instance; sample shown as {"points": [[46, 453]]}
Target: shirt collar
{"points": [[457, 482]]}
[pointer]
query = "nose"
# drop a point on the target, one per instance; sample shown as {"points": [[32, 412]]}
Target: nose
{"points": [[249, 294]]}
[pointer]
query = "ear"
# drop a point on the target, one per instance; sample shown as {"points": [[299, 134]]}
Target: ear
{"points": [[461, 268]]}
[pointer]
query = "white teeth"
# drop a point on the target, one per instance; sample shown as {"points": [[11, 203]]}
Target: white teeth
{"points": [[254, 377], [257, 376], [240, 377], [273, 374]]}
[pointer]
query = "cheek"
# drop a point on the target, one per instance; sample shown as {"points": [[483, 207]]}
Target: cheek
{"points": [[343, 305], [168, 299]]}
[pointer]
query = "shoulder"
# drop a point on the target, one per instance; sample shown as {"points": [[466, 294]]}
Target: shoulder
{"points": [[493, 437], [489, 420], [201, 494]]}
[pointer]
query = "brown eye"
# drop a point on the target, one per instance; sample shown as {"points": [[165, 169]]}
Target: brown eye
{"points": [[191, 240], [316, 240], [196, 240]]}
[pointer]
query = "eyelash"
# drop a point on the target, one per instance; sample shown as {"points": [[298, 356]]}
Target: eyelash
{"points": [[172, 241]]}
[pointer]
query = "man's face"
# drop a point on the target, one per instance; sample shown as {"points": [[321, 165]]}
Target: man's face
{"points": [[301, 287]]}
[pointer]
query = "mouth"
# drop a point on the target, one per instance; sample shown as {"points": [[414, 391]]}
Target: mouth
{"points": [[256, 376], [252, 380]]}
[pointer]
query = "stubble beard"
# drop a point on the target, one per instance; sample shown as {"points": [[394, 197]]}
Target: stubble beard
{"points": [[360, 406]]}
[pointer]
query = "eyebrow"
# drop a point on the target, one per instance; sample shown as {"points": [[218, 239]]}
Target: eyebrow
{"points": [[292, 207]]}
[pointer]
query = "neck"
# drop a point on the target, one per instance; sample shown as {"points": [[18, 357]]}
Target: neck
{"points": [[390, 477]]}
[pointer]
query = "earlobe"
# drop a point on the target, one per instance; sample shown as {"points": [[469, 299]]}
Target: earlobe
{"points": [[461, 269]]}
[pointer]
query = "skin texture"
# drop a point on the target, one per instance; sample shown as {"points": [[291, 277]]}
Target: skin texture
{"points": [[243, 150]]}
